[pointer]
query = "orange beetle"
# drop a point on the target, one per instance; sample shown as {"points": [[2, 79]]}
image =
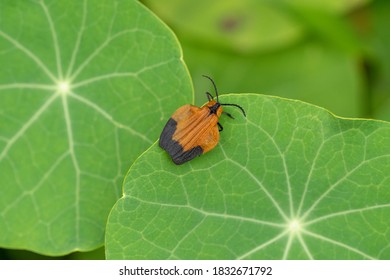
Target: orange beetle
{"points": [[192, 131]]}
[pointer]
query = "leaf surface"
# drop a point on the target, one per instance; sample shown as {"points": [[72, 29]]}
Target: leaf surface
{"points": [[290, 181], [84, 89]]}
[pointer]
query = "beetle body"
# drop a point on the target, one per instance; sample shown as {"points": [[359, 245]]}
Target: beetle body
{"points": [[192, 131]]}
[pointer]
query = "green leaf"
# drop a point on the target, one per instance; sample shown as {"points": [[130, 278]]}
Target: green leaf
{"points": [[379, 43], [290, 181], [323, 68], [309, 72], [84, 87], [333, 6], [330, 28], [244, 26]]}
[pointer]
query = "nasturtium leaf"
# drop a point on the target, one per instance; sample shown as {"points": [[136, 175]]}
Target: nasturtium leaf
{"points": [[243, 26], [290, 181], [84, 87]]}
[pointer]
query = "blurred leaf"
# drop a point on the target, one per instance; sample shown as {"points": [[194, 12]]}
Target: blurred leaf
{"points": [[324, 68], [330, 28], [291, 181], [83, 89], [309, 72], [379, 40], [97, 254], [243, 26], [332, 6]]}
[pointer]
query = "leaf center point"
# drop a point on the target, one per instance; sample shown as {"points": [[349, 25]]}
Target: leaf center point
{"points": [[295, 226], [63, 87]]}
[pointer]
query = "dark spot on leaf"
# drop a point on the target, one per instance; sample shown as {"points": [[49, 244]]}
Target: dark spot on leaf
{"points": [[230, 23]]}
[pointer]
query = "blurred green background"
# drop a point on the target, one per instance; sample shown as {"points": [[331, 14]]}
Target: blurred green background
{"points": [[332, 53]]}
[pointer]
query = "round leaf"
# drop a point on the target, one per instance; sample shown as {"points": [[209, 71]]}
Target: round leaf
{"points": [[84, 86], [290, 181]]}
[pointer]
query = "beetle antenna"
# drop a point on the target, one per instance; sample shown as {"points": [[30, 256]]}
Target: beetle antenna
{"points": [[235, 105], [215, 87]]}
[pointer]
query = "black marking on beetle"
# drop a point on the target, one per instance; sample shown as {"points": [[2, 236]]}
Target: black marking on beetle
{"points": [[174, 149]]}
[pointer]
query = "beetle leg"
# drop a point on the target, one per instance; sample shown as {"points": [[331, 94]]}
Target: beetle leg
{"points": [[229, 115], [220, 127]]}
